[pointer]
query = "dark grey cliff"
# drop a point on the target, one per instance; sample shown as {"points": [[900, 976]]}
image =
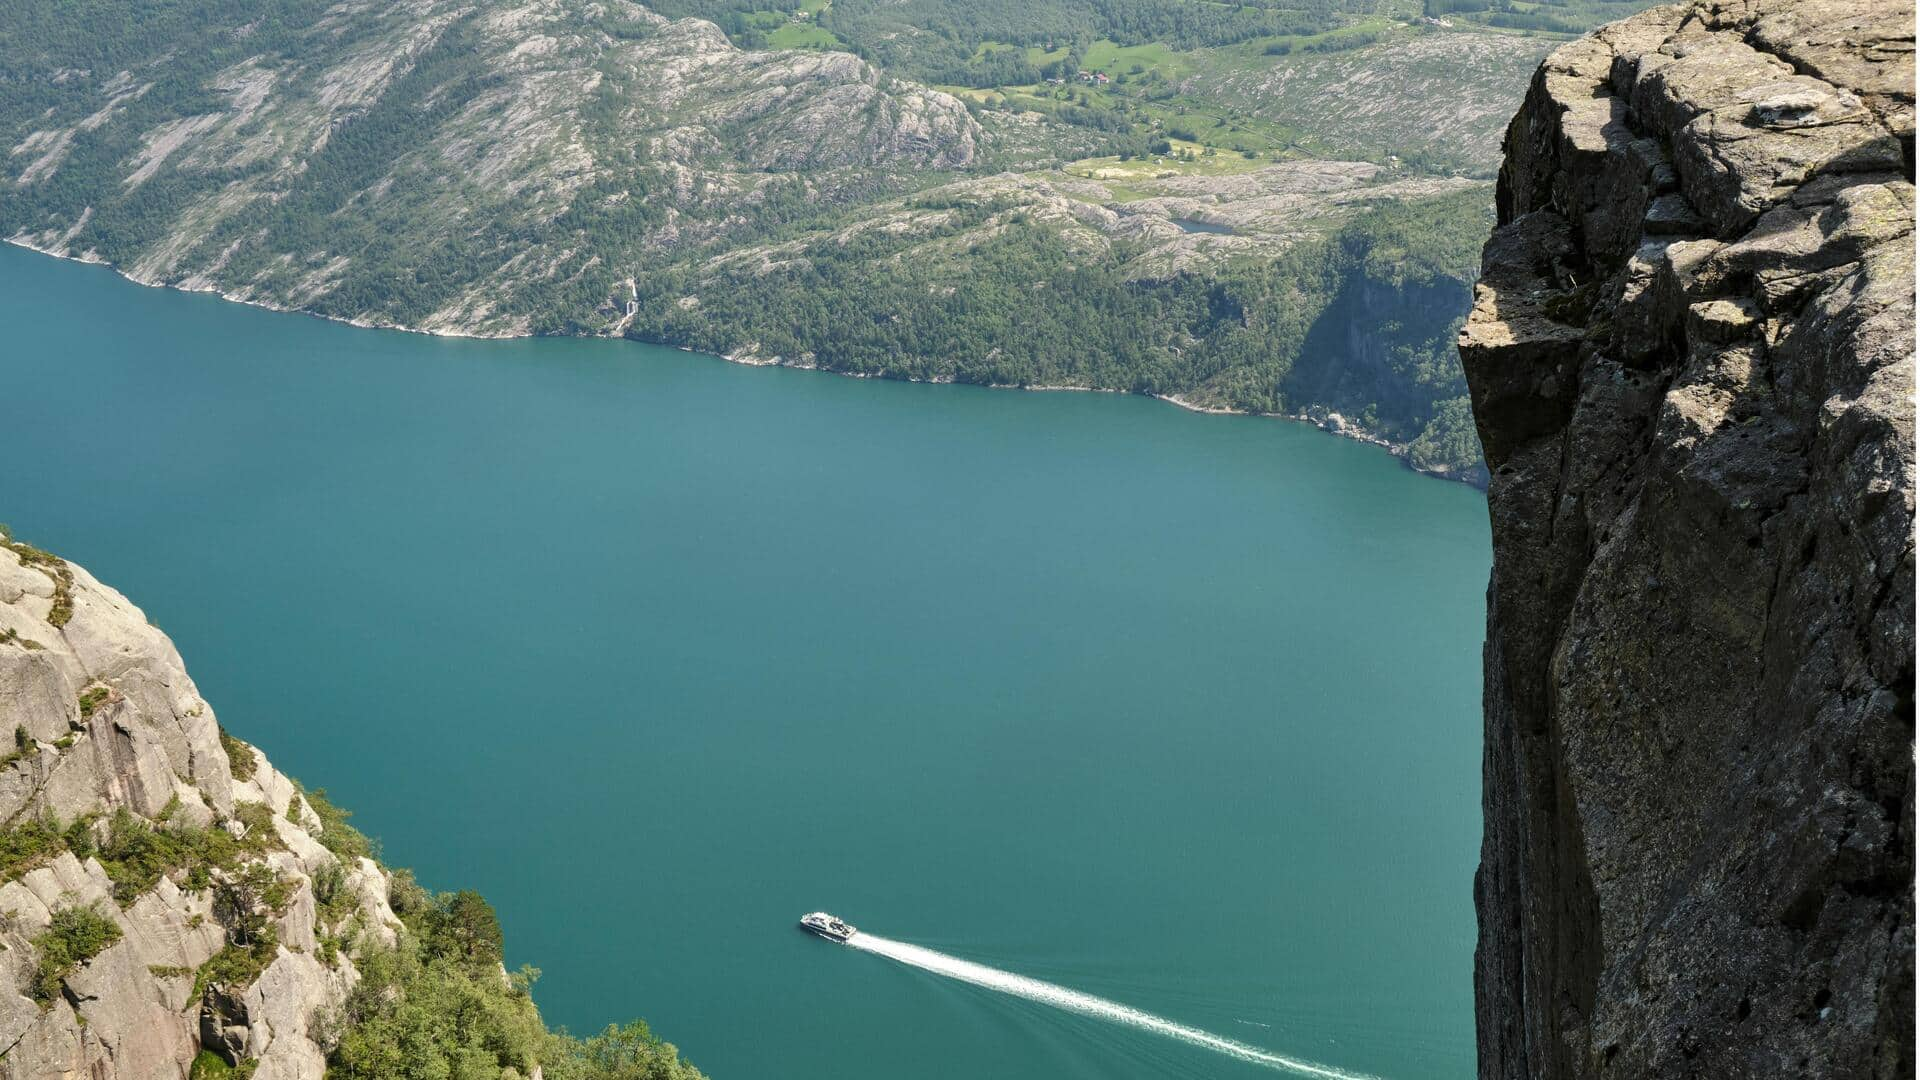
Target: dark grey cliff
{"points": [[1691, 355]]}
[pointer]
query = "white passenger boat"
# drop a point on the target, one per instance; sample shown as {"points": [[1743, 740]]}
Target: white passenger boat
{"points": [[827, 926]]}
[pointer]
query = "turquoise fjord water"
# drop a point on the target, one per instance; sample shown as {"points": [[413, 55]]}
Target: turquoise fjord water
{"points": [[1179, 712]]}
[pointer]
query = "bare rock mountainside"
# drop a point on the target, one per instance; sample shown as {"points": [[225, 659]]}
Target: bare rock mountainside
{"points": [[128, 977], [1690, 358], [446, 166]]}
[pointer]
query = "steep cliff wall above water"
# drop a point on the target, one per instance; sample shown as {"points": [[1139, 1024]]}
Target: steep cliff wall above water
{"points": [[228, 936], [1690, 356]]}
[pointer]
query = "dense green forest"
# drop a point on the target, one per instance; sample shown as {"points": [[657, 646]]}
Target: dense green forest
{"points": [[1024, 309], [1539, 16], [941, 41]]}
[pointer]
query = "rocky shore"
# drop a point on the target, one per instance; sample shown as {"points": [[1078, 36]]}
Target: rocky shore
{"points": [[1328, 421]]}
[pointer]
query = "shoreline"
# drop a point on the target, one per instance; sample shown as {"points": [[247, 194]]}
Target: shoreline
{"points": [[1328, 421], [89, 259], [1325, 421]]}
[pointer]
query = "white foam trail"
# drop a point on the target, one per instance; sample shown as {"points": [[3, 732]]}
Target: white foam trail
{"points": [[1087, 1005]]}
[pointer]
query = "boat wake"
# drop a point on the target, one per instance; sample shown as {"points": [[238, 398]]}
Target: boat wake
{"points": [[1087, 1005]]}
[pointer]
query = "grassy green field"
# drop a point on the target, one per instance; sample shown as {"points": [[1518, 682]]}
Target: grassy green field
{"points": [[1040, 57], [795, 34], [1125, 179], [1193, 123], [1116, 59]]}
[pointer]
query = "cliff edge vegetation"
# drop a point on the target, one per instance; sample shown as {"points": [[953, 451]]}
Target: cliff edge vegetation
{"points": [[1691, 362], [172, 905]]}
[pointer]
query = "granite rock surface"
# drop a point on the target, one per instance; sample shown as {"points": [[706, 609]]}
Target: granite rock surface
{"points": [[105, 720], [1691, 361]]}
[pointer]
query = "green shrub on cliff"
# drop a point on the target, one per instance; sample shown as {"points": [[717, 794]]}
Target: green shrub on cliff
{"points": [[438, 1004], [76, 935], [239, 756], [631, 1052], [247, 901], [136, 853], [211, 1066], [92, 698], [335, 834], [27, 845]]}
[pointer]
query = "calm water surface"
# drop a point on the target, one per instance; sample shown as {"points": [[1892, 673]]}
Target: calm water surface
{"points": [[659, 652]]}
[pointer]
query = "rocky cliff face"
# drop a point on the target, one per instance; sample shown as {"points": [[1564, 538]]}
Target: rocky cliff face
{"points": [[227, 950], [1691, 355]]}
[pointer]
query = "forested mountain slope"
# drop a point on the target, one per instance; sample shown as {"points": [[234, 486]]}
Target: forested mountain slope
{"points": [[1130, 194]]}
